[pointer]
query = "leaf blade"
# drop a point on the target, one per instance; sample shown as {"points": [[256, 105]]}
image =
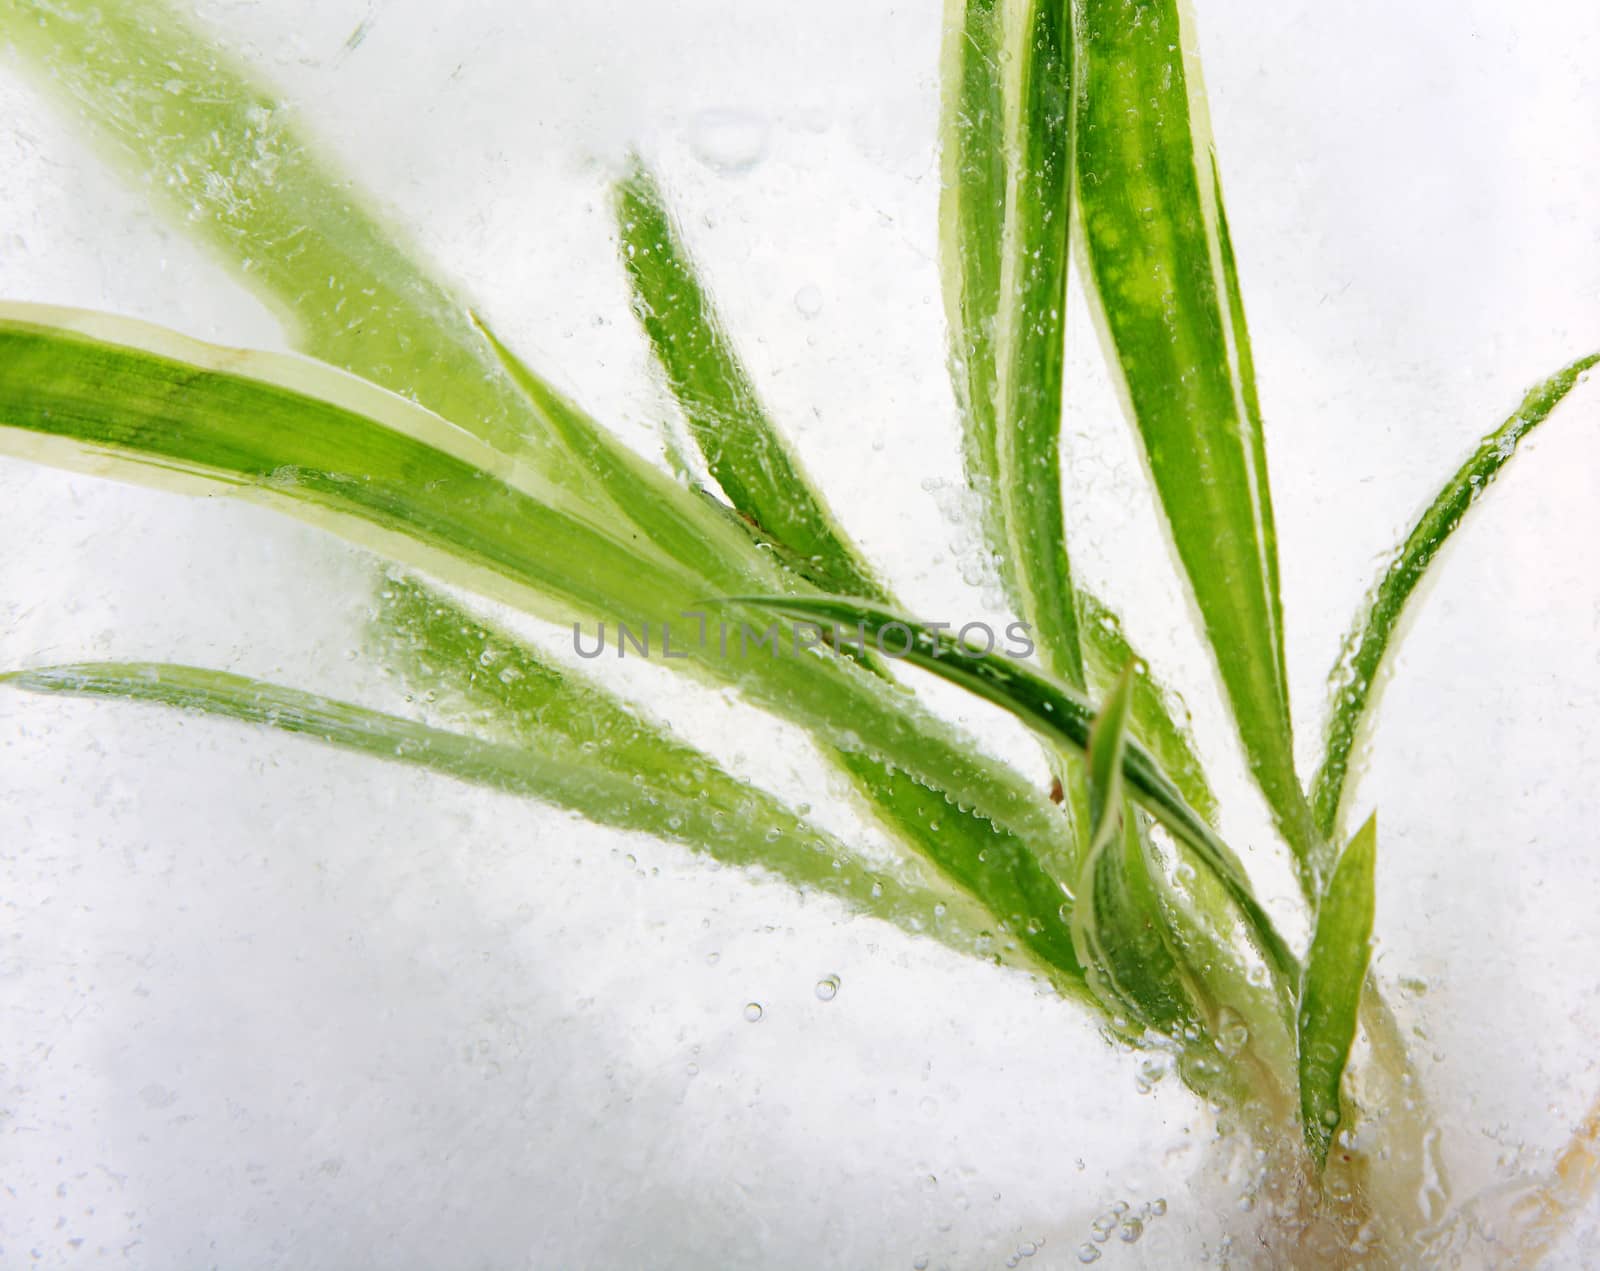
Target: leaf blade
{"points": [[1330, 996], [1118, 923], [746, 454], [1056, 711], [1366, 647], [755, 831], [1161, 271], [438, 647], [1154, 719], [226, 157], [404, 483], [1005, 208]]}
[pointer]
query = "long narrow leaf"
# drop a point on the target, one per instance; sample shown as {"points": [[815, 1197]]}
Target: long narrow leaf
{"points": [[973, 216], [226, 155], [350, 452], [770, 491], [1330, 996], [1007, 214], [1108, 751], [505, 688], [1161, 269], [1356, 675], [1057, 712], [744, 451], [434, 498], [649, 797], [1155, 714], [229, 157], [1118, 924], [688, 528]]}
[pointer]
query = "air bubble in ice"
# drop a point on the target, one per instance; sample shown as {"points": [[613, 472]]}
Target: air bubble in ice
{"points": [[728, 141]]}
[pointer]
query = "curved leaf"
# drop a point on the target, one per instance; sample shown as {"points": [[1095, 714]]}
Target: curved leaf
{"points": [[772, 495], [355, 454], [1357, 672], [404, 482], [1118, 923], [1060, 714], [507, 689]]}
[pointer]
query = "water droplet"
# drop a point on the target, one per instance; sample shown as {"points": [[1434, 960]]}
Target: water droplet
{"points": [[808, 300], [1088, 1253], [694, 1070], [728, 141], [1158, 1206], [828, 988], [753, 1011], [1132, 1229], [921, 1264], [1232, 1035]]}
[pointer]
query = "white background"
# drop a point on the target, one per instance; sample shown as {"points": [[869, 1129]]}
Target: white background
{"points": [[262, 1004]]}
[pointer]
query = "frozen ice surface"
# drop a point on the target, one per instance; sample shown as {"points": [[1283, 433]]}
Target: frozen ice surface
{"points": [[262, 1004]]}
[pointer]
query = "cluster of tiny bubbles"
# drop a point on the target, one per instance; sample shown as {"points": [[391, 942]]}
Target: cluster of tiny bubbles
{"points": [[1120, 1218], [1152, 1070], [827, 988]]}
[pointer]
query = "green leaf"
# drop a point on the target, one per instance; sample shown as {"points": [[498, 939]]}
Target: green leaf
{"points": [[388, 475], [744, 451], [1058, 713], [1330, 994], [663, 788], [503, 688], [1356, 675], [1118, 924], [1242, 1051], [973, 218], [1123, 935], [1155, 711], [365, 462], [1008, 875], [1006, 209], [751, 462], [691, 529], [1161, 270], [226, 156], [1107, 751]]}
